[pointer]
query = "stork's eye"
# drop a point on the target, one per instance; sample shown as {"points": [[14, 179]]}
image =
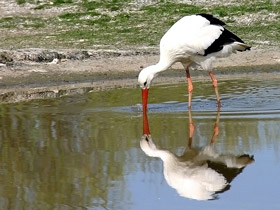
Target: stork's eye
{"points": [[147, 139], [145, 83]]}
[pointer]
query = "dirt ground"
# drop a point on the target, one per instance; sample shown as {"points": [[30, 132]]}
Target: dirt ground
{"points": [[26, 80]]}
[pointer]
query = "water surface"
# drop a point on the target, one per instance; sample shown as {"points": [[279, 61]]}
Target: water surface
{"points": [[83, 152]]}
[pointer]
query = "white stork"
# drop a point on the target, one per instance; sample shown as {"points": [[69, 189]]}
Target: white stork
{"points": [[192, 40]]}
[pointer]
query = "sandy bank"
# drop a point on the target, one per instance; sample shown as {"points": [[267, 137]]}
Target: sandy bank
{"points": [[25, 79]]}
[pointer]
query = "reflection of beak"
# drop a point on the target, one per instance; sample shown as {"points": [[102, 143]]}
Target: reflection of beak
{"points": [[146, 129], [145, 98]]}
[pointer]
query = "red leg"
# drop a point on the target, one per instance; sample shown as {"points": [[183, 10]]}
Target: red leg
{"points": [[215, 85], [190, 86]]}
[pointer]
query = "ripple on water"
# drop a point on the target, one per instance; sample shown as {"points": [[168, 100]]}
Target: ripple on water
{"points": [[249, 99]]}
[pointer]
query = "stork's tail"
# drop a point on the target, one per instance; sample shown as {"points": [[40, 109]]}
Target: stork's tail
{"points": [[238, 46]]}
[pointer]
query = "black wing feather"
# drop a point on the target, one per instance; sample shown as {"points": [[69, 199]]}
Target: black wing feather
{"points": [[225, 38], [213, 20]]}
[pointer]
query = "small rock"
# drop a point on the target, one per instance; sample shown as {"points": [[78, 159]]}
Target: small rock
{"points": [[37, 70], [5, 58], [78, 55], [55, 61]]}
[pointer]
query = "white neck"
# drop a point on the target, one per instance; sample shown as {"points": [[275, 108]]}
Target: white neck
{"points": [[149, 73], [160, 66]]}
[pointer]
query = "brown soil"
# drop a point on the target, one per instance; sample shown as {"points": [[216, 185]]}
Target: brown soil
{"points": [[21, 78]]}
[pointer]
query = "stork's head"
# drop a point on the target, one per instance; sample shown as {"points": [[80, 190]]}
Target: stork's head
{"points": [[145, 77]]}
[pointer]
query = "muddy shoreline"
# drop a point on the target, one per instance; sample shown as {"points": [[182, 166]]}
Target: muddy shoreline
{"points": [[27, 74]]}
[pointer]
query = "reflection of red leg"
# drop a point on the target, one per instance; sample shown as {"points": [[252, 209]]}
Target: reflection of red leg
{"points": [[215, 134], [216, 126], [190, 86], [215, 85], [146, 129], [191, 129]]}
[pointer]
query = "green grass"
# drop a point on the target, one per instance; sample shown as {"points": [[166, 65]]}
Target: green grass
{"points": [[248, 8], [21, 22], [111, 5], [124, 24], [60, 2], [21, 1], [25, 1]]}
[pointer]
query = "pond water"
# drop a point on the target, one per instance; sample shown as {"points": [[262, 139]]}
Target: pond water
{"points": [[83, 152]]}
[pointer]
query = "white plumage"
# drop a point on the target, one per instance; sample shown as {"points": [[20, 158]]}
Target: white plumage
{"points": [[190, 174], [199, 173], [193, 40]]}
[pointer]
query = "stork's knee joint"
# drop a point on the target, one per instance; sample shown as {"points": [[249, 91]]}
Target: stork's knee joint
{"points": [[215, 83], [190, 88]]}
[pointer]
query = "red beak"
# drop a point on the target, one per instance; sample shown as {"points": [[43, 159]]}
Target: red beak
{"points": [[146, 129], [145, 99]]}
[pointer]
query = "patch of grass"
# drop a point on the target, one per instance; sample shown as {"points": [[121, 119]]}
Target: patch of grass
{"points": [[50, 4], [34, 25], [19, 22], [111, 5], [20, 2], [259, 33], [124, 23], [172, 8], [60, 2], [78, 15], [7, 22], [249, 8]]}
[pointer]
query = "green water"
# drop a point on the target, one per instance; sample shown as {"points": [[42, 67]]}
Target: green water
{"points": [[82, 152]]}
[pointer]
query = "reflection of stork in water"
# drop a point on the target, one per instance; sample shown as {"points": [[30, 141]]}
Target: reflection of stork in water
{"points": [[199, 173]]}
